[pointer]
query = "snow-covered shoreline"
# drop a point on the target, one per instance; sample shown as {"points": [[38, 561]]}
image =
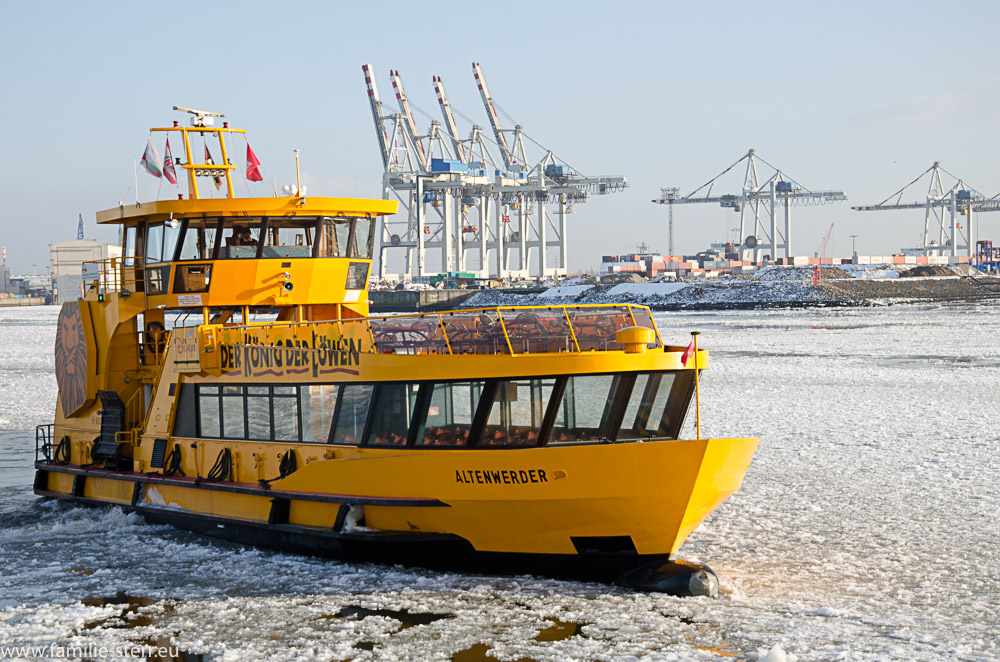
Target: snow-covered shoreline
{"points": [[782, 287]]}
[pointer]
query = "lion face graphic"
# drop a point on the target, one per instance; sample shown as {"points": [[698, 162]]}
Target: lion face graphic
{"points": [[71, 358]]}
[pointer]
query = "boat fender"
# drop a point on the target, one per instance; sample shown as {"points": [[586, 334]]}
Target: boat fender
{"points": [[63, 451], [681, 578], [173, 463], [156, 337], [222, 469], [286, 467]]}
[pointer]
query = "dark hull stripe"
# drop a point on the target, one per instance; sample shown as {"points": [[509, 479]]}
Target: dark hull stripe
{"points": [[239, 488]]}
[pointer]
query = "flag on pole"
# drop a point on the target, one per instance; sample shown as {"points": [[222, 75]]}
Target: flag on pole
{"points": [[168, 165], [151, 160], [253, 166], [209, 161], [688, 353]]}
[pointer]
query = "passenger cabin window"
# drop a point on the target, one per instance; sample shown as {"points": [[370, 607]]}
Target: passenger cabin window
{"points": [[393, 413], [657, 406], [234, 423], [352, 413], [586, 408], [256, 412], [517, 411], [319, 401], [451, 407]]}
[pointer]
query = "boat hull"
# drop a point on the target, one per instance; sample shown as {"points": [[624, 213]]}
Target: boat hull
{"points": [[587, 511]]}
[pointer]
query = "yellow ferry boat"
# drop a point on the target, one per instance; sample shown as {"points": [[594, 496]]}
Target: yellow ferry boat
{"points": [[525, 439]]}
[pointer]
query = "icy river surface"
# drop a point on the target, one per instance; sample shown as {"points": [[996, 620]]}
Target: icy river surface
{"points": [[867, 528]]}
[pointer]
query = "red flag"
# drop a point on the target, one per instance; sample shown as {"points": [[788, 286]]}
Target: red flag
{"points": [[688, 353], [209, 161], [168, 165], [253, 166]]}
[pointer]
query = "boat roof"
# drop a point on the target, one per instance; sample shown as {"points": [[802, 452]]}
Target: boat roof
{"points": [[162, 210]]}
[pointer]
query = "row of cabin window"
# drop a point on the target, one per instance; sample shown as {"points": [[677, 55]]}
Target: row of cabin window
{"points": [[280, 237], [514, 413]]}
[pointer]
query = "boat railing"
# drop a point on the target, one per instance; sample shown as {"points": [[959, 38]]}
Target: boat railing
{"points": [[152, 346], [43, 441], [498, 330], [113, 274], [135, 410]]}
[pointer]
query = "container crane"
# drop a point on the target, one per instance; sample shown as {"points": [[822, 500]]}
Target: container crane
{"points": [[759, 199], [408, 122], [449, 119], [381, 128], [491, 114], [441, 196], [959, 200]]}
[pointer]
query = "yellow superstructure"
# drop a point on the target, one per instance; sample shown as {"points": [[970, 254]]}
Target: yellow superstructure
{"points": [[538, 438]]}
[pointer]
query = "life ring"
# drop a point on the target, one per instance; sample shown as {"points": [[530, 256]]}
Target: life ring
{"points": [[156, 337]]}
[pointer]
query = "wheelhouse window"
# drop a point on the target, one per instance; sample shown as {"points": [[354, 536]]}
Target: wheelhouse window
{"points": [[516, 412], [357, 276], [161, 242], [361, 238], [241, 239], [198, 239], [128, 246]]}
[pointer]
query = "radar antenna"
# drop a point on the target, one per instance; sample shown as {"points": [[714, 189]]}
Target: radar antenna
{"points": [[201, 117]]}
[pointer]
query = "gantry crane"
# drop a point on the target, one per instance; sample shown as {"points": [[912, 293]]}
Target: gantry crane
{"points": [[959, 200], [441, 198], [758, 205], [449, 119]]}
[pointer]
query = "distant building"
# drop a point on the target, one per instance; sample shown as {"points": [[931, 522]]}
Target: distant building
{"points": [[66, 262], [5, 284]]}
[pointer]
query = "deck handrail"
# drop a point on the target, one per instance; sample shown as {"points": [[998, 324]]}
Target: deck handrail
{"points": [[488, 330]]}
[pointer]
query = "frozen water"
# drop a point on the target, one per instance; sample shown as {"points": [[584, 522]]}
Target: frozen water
{"points": [[866, 528]]}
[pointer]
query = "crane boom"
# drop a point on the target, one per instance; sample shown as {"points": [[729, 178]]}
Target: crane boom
{"points": [[826, 242], [449, 119], [408, 122], [380, 126], [492, 114]]}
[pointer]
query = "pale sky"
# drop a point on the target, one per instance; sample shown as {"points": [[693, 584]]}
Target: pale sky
{"points": [[857, 96]]}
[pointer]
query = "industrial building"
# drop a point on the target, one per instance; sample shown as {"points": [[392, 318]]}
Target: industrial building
{"points": [[66, 264]]}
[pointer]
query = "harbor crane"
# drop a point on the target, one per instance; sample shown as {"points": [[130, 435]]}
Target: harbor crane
{"points": [[450, 203], [825, 243], [942, 208], [757, 204]]}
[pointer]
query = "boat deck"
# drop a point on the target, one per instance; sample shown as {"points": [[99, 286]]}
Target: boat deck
{"points": [[500, 330]]}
